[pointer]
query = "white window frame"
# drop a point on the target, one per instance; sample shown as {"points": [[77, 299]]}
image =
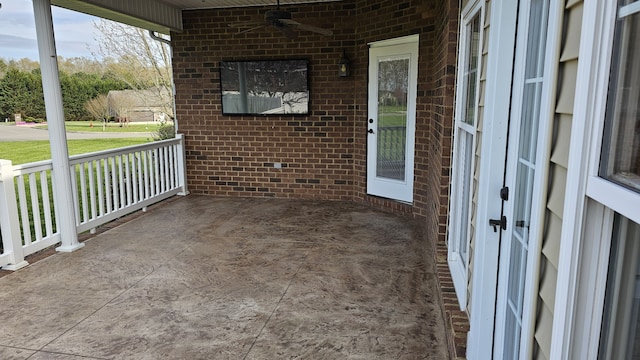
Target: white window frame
{"points": [[590, 200], [459, 267]]}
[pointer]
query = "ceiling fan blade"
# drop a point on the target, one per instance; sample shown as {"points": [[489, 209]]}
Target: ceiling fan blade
{"points": [[246, 24], [306, 27], [316, 29], [251, 29]]}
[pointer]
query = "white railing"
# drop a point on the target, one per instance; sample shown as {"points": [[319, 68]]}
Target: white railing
{"points": [[106, 185]]}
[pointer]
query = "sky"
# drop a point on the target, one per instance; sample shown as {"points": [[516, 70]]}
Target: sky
{"points": [[74, 32]]}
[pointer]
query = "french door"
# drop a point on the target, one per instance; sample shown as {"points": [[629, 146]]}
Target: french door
{"points": [[512, 145], [523, 178], [393, 73]]}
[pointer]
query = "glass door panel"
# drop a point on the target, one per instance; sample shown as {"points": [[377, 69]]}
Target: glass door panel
{"points": [[393, 82]]}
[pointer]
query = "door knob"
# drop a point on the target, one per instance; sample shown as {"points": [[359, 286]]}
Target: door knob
{"points": [[370, 131]]}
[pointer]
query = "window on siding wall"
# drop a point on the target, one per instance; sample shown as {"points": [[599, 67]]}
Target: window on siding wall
{"points": [[620, 336], [620, 161]]}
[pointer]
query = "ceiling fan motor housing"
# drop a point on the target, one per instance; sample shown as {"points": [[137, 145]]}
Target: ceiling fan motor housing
{"points": [[276, 15]]}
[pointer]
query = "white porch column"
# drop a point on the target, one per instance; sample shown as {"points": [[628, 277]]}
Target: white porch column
{"points": [[62, 189]]}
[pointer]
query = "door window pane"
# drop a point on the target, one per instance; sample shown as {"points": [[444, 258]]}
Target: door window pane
{"points": [[620, 335], [620, 160], [471, 70], [393, 85]]}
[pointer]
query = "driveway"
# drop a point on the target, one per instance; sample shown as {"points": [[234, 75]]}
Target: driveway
{"points": [[229, 278], [27, 133]]}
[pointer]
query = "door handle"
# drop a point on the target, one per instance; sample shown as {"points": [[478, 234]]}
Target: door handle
{"points": [[502, 223], [370, 131]]}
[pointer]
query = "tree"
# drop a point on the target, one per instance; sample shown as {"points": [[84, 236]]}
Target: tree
{"points": [[21, 92], [3, 67], [121, 103], [143, 63], [98, 107], [393, 79]]}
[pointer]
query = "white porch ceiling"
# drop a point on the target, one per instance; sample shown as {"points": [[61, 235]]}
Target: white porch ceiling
{"points": [[159, 15]]}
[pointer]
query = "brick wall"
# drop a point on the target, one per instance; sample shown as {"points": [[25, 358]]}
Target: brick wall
{"points": [[323, 155], [439, 150], [235, 155]]}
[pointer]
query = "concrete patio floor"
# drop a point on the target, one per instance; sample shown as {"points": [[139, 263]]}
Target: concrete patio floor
{"points": [[221, 278]]}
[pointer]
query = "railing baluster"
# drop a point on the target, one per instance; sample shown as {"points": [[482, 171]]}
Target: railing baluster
{"points": [[101, 191], [35, 207], [46, 203], [74, 186], [83, 193], [92, 188], [127, 166], [152, 172], [163, 175], [147, 180], [107, 185], [134, 179], [139, 176], [121, 186], [157, 170], [114, 183], [24, 212], [172, 164]]}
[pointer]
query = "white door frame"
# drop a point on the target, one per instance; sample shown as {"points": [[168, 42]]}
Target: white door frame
{"points": [[390, 188]]}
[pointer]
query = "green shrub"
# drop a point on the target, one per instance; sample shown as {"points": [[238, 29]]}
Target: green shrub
{"points": [[165, 132], [31, 119]]}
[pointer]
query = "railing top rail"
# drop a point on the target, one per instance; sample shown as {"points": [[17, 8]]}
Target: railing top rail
{"points": [[77, 159], [43, 165], [28, 168]]}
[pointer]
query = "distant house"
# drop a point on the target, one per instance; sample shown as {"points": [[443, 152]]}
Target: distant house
{"points": [[154, 104]]}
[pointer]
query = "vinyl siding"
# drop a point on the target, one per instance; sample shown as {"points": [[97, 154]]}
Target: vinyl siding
{"points": [[568, 66]]}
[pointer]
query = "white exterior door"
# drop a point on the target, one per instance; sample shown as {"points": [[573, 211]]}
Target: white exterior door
{"points": [[507, 250], [523, 179], [393, 73]]}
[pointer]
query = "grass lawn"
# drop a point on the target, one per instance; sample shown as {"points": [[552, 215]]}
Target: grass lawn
{"points": [[86, 126], [392, 115], [22, 152]]}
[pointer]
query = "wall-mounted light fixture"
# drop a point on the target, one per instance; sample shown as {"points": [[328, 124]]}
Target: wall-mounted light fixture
{"points": [[343, 65]]}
